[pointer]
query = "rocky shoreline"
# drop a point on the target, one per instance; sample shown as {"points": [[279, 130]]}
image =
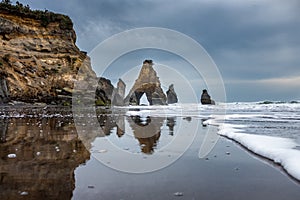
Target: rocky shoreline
{"points": [[39, 62]]}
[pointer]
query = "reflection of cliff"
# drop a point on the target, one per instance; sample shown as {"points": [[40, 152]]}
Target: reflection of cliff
{"points": [[47, 153]]}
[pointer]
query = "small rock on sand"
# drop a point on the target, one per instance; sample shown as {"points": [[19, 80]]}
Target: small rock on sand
{"points": [[24, 193], [178, 194], [12, 155]]}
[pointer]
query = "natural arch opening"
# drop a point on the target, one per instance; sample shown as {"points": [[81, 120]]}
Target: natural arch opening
{"points": [[147, 83], [144, 100]]}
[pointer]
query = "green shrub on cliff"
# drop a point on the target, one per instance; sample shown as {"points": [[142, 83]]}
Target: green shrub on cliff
{"points": [[6, 1], [45, 17]]}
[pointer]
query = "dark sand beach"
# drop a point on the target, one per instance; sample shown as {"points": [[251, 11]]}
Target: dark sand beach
{"points": [[228, 172], [45, 158], [119, 100]]}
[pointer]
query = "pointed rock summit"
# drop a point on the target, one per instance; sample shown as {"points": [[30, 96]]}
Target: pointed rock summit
{"points": [[119, 93], [147, 83], [171, 95], [205, 98]]}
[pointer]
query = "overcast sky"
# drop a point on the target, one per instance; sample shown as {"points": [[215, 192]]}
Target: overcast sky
{"points": [[255, 44]]}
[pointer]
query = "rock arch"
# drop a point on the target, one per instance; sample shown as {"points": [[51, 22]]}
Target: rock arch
{"points": [[148, 83]]}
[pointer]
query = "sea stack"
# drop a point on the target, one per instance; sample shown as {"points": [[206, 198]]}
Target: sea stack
{"points": [[147, 83], [171, 95], [205, 98], [119, 93]]}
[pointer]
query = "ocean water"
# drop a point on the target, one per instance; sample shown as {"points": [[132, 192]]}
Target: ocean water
{"points": [[270, 119], [277, 119]]}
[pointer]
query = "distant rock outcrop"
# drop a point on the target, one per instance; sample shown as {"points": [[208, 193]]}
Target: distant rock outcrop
{"points": [[104, 92], [205, 98], [171, 95], [148, 83], [119, 94]]}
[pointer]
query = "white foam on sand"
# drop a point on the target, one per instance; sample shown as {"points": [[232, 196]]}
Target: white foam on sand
{"points": [[284, 151], [280, 150]]}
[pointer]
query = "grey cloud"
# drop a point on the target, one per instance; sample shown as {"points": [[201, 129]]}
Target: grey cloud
{"points": [[248, 40]]}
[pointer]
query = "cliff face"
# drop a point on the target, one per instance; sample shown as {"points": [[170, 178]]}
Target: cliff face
{"points": [[39, 61]]}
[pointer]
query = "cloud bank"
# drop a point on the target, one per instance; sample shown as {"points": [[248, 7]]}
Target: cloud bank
{"points": [[249, 41]]}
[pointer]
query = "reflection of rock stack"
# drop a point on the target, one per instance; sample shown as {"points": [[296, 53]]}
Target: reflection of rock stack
{"points": [[147, 132], [3, 132], [171, 123], [147, 83], [120, 123]]}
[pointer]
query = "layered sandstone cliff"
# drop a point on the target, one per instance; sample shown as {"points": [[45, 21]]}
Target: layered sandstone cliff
{"points": [[39, 59]]}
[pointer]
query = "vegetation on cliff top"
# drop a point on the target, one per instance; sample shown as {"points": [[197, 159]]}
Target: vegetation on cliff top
{"points": [[45, 17]]}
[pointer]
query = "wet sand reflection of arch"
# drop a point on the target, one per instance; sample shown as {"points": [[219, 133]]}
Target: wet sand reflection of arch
{"points": [[146, 131]]}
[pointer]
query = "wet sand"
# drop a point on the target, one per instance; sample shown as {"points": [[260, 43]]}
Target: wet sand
{"points": [[45, 171], [228, 172]]}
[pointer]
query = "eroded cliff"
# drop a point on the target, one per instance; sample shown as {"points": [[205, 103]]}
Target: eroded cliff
{"points": [[39, 59]]}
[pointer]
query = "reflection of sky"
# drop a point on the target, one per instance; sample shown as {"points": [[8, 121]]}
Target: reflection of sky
{"points": [[255, 44]]}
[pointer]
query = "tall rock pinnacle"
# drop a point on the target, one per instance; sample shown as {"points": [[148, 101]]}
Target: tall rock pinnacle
{"points": [[148, 83], [171, 95]]}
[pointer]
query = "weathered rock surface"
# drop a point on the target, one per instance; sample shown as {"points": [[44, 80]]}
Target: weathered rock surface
{"points": [[171, 95], [38, 56], [119, 94], [148, 83], [4, 94], [104, 92], [205, 98]]}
